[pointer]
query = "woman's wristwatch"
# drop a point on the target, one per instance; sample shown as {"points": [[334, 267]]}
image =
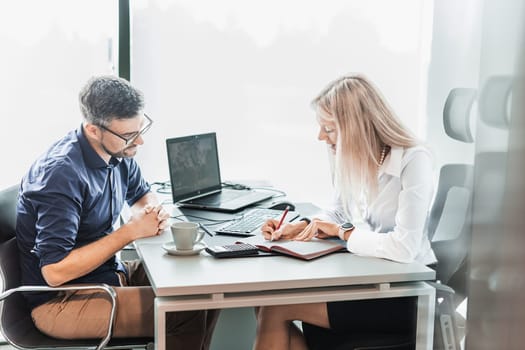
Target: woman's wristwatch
{"points": [[305, 219], [344, 228]]}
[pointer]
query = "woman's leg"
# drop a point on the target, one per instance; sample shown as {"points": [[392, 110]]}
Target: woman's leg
{"points": [[275, 328], [365, 323]]}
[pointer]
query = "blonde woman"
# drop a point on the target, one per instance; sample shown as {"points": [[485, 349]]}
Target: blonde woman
{"points": [[383, 182]]}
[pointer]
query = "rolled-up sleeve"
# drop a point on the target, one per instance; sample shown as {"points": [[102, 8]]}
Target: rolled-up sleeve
{"points": [[58, 216]]}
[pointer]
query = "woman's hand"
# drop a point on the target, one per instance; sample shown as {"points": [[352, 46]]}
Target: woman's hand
{"points": [[286, 231], [319, 229]]}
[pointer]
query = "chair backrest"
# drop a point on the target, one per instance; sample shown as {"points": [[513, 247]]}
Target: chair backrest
{"points": [[449, 225], [449, 220], [9, 265], [15, 320], [456, 114], [8, 198]]}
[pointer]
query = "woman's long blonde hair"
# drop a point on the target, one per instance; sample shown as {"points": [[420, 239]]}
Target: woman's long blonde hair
{"points": [[365, 124]]}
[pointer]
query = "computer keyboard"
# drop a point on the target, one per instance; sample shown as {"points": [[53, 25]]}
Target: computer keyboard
{"points": [[253, 220]]}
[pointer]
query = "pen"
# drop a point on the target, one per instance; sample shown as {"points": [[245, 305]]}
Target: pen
{"points": [[282, 217], [205, 229]]}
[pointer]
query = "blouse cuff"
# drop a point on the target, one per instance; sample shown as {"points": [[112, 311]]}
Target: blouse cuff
{"points": [[363, 242]]}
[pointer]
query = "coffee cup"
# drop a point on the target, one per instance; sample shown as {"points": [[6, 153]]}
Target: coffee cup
{"points": [[186, 235]]}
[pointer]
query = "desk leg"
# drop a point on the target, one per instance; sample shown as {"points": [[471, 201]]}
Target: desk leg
{"points": [[425, 319], [160, 326]]}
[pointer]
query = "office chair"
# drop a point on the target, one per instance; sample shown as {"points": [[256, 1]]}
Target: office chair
{"points": [[15, 317], [496, 265], [449, 224]]}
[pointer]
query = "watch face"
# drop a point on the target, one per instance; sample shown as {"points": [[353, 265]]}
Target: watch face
{"points": [[347, 226]]}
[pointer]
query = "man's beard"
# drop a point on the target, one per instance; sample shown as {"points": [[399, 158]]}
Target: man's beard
{"points": [[121, 153]]}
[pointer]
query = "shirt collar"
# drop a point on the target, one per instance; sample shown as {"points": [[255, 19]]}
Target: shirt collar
{"points": [[392, 162], [91, 157]]}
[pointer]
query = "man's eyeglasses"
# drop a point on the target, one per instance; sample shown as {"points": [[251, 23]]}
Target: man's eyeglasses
{"points": [[130, 137]]}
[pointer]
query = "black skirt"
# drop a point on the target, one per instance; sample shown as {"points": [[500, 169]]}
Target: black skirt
{"points": [[361, 323]]}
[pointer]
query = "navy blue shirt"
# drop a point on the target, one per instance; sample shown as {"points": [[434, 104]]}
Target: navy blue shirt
{"points": [[69, 198]]}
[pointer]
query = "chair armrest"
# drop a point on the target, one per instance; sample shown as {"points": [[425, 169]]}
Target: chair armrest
{"points": [[104, 287], [446, 330], [442, 289]]}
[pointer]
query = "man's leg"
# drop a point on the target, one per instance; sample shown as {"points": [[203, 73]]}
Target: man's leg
{"points": [[74, 315], [185, 330], [85, 314], [275, 328], [211, 320], [190, 329]]}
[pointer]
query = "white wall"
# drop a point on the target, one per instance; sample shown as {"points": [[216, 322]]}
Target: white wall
{"points": [[248, 70]]}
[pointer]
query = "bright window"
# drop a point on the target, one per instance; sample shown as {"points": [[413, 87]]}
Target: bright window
{"points": [[49, 50], [249, 69]]}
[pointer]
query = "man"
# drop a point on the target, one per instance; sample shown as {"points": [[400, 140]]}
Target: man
{"points": [[68, 203]]}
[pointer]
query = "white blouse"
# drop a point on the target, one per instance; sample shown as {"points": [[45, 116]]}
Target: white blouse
{"points": [[394, 223]]}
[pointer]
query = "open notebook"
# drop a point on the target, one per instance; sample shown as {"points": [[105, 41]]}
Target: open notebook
{"points": [[306, 250]]}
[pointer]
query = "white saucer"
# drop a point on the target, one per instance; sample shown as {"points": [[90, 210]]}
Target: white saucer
{"points": [[170, 248]]}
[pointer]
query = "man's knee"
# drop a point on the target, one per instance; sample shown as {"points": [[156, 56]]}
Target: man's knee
{"points": [[189, 329], [185, 322]]}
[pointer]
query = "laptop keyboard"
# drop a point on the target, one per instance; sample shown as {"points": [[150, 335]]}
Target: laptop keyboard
{"points": [[252, 221], [229, 195], [220, 197]]}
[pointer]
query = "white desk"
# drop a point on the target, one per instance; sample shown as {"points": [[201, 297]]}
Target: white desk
{"points": [[203, 282]]}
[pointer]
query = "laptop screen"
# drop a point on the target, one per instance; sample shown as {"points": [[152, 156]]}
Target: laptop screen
{"points": [[194, 166]]}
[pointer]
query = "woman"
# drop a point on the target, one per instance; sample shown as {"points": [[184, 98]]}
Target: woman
{"points": [[383, 181]]}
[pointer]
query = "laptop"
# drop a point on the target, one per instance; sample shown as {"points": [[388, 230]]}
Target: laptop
{"points": [[196, 178]]}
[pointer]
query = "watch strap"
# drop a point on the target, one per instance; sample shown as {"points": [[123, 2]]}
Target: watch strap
{"points": [[308, 221]]}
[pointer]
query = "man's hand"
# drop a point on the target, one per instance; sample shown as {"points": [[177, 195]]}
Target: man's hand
{"points": [[162, 216], [146, 222]]}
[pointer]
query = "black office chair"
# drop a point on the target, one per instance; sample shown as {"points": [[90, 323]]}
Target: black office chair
{"points": [[15, 317], [449, 225]]}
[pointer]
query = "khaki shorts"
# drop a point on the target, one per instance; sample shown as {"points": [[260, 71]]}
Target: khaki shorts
{"points": [[85, 314]]}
